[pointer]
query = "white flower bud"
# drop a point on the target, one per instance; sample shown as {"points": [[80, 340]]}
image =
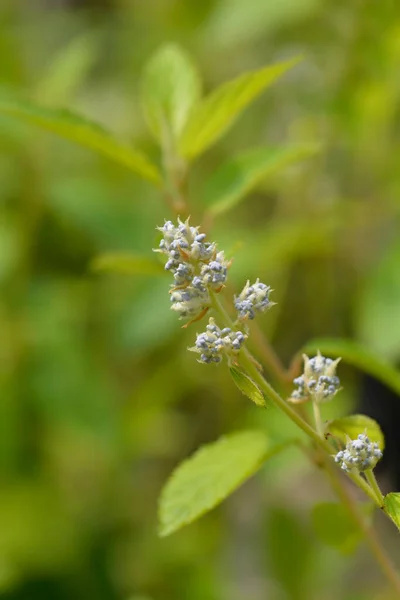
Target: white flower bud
{"points": [[318, 382], [360, 455], [215, 343], [252, 299]]}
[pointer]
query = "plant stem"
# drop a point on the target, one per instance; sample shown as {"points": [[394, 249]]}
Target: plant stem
{"points": [[370, 488], [269, 355], [370, 477], [248, 362], [318, 421], [363, 485]]}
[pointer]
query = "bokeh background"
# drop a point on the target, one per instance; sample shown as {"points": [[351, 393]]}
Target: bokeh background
{"points": [[99, 398]]}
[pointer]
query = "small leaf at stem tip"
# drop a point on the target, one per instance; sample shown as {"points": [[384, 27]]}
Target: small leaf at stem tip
{"points": [[391, 506], [126, 264], [205, 479], [170, 89], [352, 425], [247, 386], [215, 114]]}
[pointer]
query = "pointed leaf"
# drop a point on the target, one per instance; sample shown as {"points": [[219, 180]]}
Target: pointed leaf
{"points": [[128, 264], [353, 425], [218, 111], [235, 179], [170, 88], [247, 386], [84, 132], [209, 476], [356, 355], [334, 526], [391, 504]]}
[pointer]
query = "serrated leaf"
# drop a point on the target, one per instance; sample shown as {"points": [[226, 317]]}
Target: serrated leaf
{"points": [[126, 263], [236, 178], [378, 308], [353, 425], [391, 504], [334, 526], [209, 476], [171, 86], [247, 386], [218, 111], [82, 131], [357, 356]]}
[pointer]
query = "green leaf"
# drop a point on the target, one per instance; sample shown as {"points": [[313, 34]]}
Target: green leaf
{"points": [[378, 308], [334, 526], [126, 263], [235, 179], [218, 111], [171, 86], [209, 476], [357, 356], [247, 386], [391, 504], [353, 425], [82, 131]]}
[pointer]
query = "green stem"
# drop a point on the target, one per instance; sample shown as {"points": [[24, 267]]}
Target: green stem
{"points": [[370, 477], [248, 362], [318, 421], [363, 485]]}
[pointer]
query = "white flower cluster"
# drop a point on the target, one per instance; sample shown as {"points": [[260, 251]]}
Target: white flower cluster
{"points": [[253, 299], [360, 455], [215, 343], [319, 381], [196, 265]]}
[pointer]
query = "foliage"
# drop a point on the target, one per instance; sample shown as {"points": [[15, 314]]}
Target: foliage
{"points": [[99, 400]]}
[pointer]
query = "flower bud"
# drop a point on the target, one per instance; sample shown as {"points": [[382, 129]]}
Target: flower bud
{"points": [[215, 343], [318, 382], [196, 266], [253, 299], [360, 455]]}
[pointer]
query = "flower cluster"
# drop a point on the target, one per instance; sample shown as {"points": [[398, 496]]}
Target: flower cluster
{"points": [[318, 382], [360, 455], [253, 299], [215, 343], [196, 265]]}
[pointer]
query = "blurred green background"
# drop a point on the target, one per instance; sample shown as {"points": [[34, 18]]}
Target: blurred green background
{"points": [[99, 399]]}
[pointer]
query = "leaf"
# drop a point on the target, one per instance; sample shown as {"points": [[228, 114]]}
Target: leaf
{"points": [[82, 131], [171, 86], [126, 263], [391, 505], [235, 179], [353, 425], [247, 386], [378, 308], [334, 526], [218, 111], [209, 476], [357, 356]]}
